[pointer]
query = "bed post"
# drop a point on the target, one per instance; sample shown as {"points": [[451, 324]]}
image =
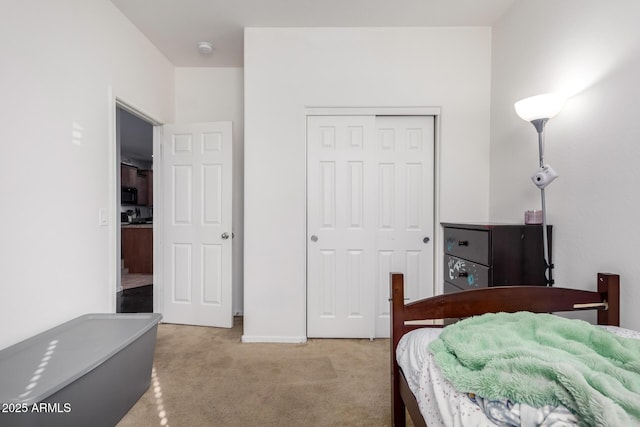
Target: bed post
{"points": [[398, 416], [609, 284]]}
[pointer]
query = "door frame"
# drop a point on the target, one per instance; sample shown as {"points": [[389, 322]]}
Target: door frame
{"points": [[114, 280], [384, 111]]}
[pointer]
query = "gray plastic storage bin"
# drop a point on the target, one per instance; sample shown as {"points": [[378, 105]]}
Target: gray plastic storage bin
{"points": [[86, 372]]}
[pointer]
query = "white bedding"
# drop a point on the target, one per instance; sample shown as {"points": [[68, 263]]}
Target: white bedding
{"points": [[442, 405]]}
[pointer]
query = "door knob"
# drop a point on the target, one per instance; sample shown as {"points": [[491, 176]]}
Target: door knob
{"points": [[426, 240], [314, 238], [225, 236]]}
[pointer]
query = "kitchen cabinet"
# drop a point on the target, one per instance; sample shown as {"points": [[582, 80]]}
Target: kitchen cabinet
{"points": [[144, 184], [141, 185], [150, 188], [137, 248], [481, 255], [128, 175], [140, 179]]}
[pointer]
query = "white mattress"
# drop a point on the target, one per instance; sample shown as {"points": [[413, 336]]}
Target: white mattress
{"points": [[442, 405]]}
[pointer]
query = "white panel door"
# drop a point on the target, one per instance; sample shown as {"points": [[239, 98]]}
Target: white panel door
{"points": [[340, 243], [369, 209], [404, 205], [197, 244]]}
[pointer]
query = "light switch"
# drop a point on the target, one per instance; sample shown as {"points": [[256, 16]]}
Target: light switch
{"points": [[103, 217]]}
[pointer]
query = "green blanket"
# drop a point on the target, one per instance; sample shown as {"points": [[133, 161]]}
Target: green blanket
{"points": [[541, 359]]}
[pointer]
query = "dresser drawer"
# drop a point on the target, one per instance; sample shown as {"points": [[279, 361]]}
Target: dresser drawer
{"points": [[465, 274], [472, 245], [450, 288]]}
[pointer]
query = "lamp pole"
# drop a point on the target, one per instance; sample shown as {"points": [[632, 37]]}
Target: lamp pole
{"points": [[539, 125]]}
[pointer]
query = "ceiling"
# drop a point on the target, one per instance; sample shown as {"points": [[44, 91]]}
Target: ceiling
{"points": [[176, 26]]}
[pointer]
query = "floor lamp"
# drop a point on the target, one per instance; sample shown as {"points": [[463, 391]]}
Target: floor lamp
{"points": [[538, 110]]}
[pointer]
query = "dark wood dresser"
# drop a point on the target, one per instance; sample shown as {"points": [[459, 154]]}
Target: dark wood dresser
{"points": [[481, 255]]}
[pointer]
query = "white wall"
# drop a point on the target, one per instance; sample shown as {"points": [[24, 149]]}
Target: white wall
{"points": [[59, 58], [287, 70], [591, 50], [216, 94]]}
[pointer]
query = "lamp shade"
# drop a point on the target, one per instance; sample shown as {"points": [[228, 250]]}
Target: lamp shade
{"points": [[543, 106]]}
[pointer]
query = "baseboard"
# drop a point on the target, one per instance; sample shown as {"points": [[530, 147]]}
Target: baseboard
{"points": [[272, 339]]}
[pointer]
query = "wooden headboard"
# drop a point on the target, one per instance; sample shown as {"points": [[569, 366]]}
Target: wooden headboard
{"points": [[537, 299]]}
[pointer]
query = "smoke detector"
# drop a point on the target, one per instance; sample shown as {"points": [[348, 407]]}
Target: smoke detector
{"points": [[205, 48]]}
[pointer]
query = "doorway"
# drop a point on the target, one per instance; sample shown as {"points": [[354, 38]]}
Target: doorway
{"points": [[192, 197], [134, 148]]}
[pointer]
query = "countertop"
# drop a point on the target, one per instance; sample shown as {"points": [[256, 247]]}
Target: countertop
{"points": [[127, 225]]}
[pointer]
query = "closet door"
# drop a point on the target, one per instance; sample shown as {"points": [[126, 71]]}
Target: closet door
{"points": [[404, 210], [340, 266], [369, 210]]}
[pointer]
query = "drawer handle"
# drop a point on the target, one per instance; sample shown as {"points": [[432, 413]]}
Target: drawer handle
{"points": [[463, 274], [463, 243]]}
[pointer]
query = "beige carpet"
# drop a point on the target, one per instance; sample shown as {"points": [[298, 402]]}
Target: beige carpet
{"points": [[207, 377]]}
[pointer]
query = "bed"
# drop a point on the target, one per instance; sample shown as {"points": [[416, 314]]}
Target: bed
{"points": [[431, 313]]}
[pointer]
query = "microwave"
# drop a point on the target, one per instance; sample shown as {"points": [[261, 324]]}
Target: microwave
{"points": [[129, 196]]}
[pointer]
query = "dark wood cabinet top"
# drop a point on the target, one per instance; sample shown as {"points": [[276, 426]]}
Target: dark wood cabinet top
{"points": [[486, 225]]}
